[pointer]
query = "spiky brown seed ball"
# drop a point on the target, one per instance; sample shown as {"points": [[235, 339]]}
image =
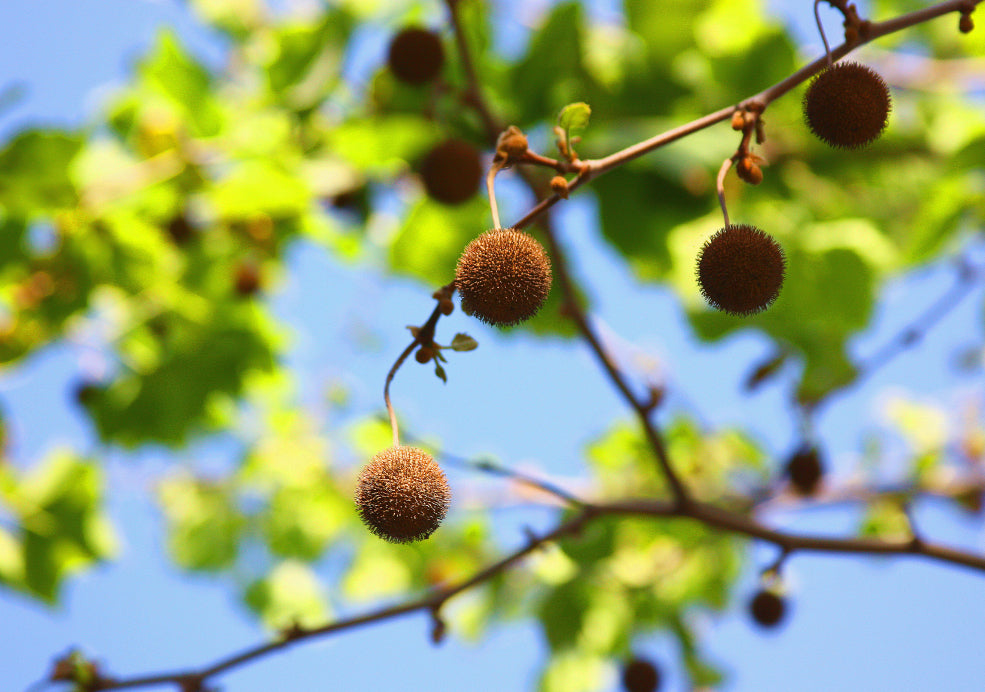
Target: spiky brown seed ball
{"points": [[452, 171], [847, 105], [402, 494], [503, 276], [416, 56], [640, 675], [741, 269], [805, 470], [767, 608]]}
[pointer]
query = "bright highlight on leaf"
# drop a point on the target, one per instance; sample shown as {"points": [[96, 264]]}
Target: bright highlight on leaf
{"points": [[574, 116]]}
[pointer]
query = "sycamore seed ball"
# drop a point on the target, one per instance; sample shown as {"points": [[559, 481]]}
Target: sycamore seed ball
{"points": [[402, 495], [416, 56], [452, 171], [640, 675], [847, 105], [741, 269], [767, 608], [805, 470], [503, 277]]}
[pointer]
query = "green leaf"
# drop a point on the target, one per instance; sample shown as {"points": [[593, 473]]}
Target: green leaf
{"points": [[177, 389], [62, 525], [562, 613], [574, 116], [173, 73], [552, 71], [204, 525], [34, 172], [289, 595], [440, 372], [464, 342], [300, 522]]}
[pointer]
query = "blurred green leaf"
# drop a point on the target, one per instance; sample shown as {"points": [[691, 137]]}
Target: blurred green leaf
{"points": [[289, 595], [58, 506], [34, 173], [204, 525]]}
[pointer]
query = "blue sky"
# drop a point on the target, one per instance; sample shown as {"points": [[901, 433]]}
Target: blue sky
{"points": [[856, 624]]}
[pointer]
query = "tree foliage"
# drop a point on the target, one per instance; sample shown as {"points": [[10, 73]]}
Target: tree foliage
{"points": [[157, 231]]}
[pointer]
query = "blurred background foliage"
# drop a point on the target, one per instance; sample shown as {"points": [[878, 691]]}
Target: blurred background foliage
{"points": [[153, 234]]}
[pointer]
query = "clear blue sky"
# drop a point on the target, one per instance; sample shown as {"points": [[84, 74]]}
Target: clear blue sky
{"points": [[856, 625]]}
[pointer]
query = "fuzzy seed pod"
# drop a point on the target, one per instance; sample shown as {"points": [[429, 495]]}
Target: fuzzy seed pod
{"points": [[747, 169], [640, 675], [416, 56], [767, 608], [452, 171], [402, 494], [805, 470], [847, 105], [503, 276], [741, 270]]}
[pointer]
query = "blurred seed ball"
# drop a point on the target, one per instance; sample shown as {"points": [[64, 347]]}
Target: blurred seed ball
{"points": [[966, 24], [246, 280], [416, 55], [180, 229], [748, 170], [424, 354], [847, 105], [767, 608], [805, 470], [741, 269], [402, 494], [640, 675], [503, 277], [452, 171], [86, 393], [446, 306]]}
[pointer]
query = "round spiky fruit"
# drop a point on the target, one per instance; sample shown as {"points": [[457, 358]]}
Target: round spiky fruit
{"points": [[805, 470], [767, 608], [452, 171], [847, 105], [503, 276], [416, 56], [741, 269], [402, 494], [640, 675]]}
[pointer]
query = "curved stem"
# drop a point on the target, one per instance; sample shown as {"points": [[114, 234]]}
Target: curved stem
{"points": [[720, 186], [820, 29]]}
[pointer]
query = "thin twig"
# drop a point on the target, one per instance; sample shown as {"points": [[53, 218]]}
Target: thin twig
{"points": [[720, 187]]}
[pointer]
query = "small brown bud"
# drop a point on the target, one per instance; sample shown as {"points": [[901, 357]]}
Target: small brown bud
{"points": [[446, 306], [512, 144], [738, 120], [966, 24], [747, 170], [424, 354], [560, 186]]}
